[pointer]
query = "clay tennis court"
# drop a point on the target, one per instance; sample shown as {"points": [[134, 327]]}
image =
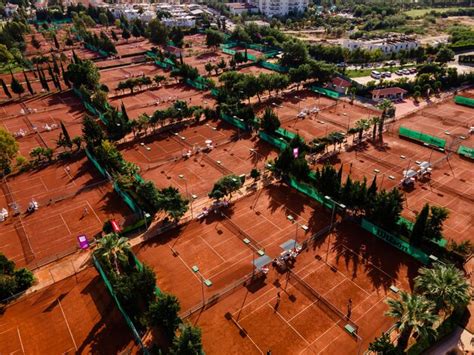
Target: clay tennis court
{"points": [[349, 263], [214, 246], [112, 77], [449, 186], [75, 315], [158, 148], [103, 64], [133, 48], [161, 98], [199, 60], [195, 175], [71, 203], [38, 123], [255, 70]]}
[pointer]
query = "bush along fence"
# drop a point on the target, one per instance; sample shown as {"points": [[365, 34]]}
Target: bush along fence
{"points": [[127, 319], [92, 48], [89, 107]]}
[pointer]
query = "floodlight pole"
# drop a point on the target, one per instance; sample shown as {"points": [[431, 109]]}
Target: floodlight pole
{"points": [[187, 193]]}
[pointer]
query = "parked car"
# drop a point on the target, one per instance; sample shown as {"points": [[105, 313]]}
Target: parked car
{"points": [[375, 74], [412, 70], [399, 72], [387, 74], [405, 71]]}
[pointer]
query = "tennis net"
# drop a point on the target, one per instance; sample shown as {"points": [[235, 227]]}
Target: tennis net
{"points": [[238, 231], [310, 292], [8, 192]]}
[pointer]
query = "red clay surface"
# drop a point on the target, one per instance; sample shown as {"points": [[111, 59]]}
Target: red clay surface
{"points": [[201, 170], [450, 184], [135, 47], [161, 98], [200, 60], [220, 253], [255, 70], [347, 264], [76, 315], [111, 77], [39, 119], [61, 217]]}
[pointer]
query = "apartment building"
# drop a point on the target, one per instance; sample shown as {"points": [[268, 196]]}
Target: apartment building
{"points": [[387, 45], [271, 8]]}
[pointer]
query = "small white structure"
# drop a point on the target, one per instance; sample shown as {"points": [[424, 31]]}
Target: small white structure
{"points": [[386, 45], [272, 8], [394, 93]]}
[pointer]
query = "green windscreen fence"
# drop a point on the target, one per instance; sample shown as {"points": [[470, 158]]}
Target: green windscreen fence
{"points": [[280, 143], [309, 191], [274, 67], [462, 100], [96, 164], [234, 121], [109, 287], [196, 84], [127, 199], [228, 51], [395, 241], [421, 137], [285, 134], [466, 151], [326, 92]]}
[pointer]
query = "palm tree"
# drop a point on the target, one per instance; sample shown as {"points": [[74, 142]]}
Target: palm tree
{"points": [[386, 106], [114, 249], [445, 285], [413, 314], [360, 126]]}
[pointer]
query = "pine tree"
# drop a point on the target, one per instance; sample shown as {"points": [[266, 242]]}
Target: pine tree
{"points": [[418, 232], [75, 58], [5, 89], [28, 85]]}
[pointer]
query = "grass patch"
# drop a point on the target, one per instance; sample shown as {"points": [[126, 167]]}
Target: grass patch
{"points": [[423, 12], [357, 73]]}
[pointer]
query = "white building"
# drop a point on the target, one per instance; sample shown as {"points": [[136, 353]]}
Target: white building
{"points": [[390, 45], [272, 8], [239, 8]]}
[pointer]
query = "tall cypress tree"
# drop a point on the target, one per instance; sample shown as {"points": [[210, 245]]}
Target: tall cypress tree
{"points": [[66, 81], [372, 188], [5, 89], [419, 228], [124, 113], [55, 64], [46, 86], [67, 137], [28, 85], [16, 86], [56, 43], [58, 82], [50, 71]]}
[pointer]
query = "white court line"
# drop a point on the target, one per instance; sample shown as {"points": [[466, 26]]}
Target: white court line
{"points": [[289, 325], [186, 265], [214, 250], [61, 215], [70, 177], [44, 185], [21, 342], [67, 324], [87, 201]]}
